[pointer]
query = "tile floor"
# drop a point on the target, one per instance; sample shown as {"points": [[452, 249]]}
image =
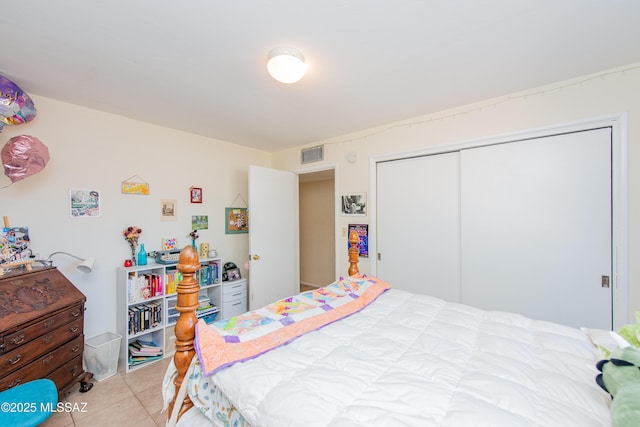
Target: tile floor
{"points": [[133, 399]]}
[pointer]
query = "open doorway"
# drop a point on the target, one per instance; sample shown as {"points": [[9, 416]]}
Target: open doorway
{"points": [[317, 229]]}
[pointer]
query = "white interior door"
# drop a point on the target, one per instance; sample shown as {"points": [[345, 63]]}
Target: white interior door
{"points": [[536, 227], [418, 231], [273, 235]]}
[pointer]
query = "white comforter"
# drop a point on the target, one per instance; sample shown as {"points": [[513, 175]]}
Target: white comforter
{"points": [[411, 360]]}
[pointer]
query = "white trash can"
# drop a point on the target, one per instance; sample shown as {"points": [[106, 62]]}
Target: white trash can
{"points": [[101, 355]]}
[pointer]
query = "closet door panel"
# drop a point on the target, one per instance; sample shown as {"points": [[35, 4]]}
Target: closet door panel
{"points": [[536, 227], [418, 228]]}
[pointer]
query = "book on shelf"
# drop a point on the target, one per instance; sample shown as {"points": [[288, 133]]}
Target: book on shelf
{"points": [[145, 316], [142, 351], [144, 286], [133, 360]]}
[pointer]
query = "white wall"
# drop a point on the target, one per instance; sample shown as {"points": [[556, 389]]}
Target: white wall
{"points": [[601, 94], [94, 150]]}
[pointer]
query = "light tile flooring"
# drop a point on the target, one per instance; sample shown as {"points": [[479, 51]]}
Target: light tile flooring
{"points": [[133, 399]]}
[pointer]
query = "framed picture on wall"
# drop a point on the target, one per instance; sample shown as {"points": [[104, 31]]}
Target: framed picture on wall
{"points": [[354, 204], [196, 195], [236, 221]]}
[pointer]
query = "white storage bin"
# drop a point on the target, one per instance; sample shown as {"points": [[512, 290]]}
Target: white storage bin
{"points": [[101, 355]]}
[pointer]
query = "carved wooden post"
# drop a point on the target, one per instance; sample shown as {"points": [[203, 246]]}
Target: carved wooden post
{"points": [[353, 253], [186, 304]]}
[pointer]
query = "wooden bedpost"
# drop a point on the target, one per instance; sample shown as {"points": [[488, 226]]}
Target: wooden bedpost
{"points": [[186, 304], [354, 239]]}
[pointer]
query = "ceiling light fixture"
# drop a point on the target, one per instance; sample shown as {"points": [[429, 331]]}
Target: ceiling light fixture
{"points": [[286, 64]]}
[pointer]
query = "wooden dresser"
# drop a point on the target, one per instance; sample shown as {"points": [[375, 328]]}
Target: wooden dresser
{"points": [[41, 328]]}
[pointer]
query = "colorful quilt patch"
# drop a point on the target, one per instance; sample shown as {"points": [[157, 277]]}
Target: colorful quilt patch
{"points": [[244, 323], [288, 306]]}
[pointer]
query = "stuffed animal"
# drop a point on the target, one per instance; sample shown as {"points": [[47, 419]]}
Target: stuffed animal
{"points": [[620, 377], [631, 332]]}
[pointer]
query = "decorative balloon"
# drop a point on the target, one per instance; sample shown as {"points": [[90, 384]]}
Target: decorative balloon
{"points": [[23, 156], [16, 107]]}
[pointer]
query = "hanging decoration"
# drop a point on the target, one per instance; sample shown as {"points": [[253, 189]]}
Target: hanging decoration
{"points": [[236, 219], [16, 107], [23, 156], [135, 185]]}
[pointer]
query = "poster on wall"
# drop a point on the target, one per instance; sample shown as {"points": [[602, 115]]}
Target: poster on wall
{"points": [[84, 203], [363, 235]]}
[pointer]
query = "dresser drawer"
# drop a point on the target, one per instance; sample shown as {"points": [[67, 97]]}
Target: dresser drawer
{"points": [[46, 364], [235, 296], [234, 287], [24, 335], [24, 354], [67, 374]]}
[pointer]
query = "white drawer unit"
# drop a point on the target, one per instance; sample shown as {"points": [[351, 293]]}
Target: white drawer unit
{"points": [[234, 298]]}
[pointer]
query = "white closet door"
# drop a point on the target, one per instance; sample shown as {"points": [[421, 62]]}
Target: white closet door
{"points": [[536, 227], [418, 235]]}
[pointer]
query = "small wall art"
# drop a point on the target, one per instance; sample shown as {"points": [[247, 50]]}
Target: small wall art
{"points": [[354, 204], [236, 221], [84, 203], [169, 243], [196, 194], [135, 185], [168, 210], [199, 222], [15, 245]]}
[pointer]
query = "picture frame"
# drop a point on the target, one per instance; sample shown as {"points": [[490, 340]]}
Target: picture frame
{"points": [[196, 194], [84, 203], [233, 274], [354, 204], [236, 221], [168, 210]]}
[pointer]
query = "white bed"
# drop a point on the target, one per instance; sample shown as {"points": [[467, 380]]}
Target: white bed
{"points": [[409, 360]]}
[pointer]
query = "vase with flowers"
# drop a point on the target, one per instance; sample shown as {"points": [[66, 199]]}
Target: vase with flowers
{"points": [[131, 235], [194, 236]]}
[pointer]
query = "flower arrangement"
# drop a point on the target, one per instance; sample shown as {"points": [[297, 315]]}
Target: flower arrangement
{"points": [[131, 235], [194, 236]]}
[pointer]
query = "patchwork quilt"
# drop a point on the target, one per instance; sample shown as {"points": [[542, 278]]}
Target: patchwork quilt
{"points": [[251, 334]]}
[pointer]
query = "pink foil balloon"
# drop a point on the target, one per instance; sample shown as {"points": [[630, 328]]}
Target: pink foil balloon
{"points": [[23, 156]]}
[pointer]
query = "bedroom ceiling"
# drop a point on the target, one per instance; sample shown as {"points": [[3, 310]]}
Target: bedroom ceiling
{"points": [[200, 65]]}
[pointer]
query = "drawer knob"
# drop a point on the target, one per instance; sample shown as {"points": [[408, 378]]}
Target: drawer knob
{"points": [[75, 349], [47, 360], [15, 360], [74, 329], [75, 313]]}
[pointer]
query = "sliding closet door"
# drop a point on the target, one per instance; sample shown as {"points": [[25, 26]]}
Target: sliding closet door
{"points": [[536, 227], [418, 237]]}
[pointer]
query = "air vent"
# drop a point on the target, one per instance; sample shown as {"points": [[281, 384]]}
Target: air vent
{"points": [[313, 154]]}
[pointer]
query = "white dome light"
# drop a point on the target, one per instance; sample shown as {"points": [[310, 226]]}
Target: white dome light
{"points": [[286, 64]]}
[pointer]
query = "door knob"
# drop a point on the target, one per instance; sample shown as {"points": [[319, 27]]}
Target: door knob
{"points": [[255, 257]]}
